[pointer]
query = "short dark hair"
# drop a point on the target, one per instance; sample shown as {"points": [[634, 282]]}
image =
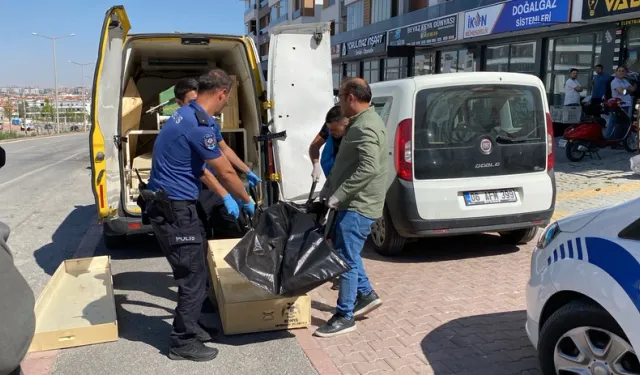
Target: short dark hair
{"points": [[572, 70], [184, 86], [214, 80], [334, 114], [623, 67], [359, 88], [599, 66]]}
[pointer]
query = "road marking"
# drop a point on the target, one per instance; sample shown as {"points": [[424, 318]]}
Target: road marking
{"points": [[41, 169], [31, 138], [596, 191]]}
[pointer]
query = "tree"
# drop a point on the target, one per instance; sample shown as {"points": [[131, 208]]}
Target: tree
{"points": [[47, 111], [22, 109], [8, 112]]}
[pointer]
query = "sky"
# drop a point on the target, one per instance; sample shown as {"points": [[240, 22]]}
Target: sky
{"points": [[27, 60]]}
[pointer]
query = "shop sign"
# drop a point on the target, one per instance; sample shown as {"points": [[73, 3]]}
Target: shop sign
{"points": [[365, 46], [424, 33], [633, 22], [515, 15], [335, 51], [602, 8]]}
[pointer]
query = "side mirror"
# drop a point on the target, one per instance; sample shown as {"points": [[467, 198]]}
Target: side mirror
{"points": [[3, 157]]}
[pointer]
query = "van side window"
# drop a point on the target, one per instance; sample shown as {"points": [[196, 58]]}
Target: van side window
{"points": [[382, 106]]}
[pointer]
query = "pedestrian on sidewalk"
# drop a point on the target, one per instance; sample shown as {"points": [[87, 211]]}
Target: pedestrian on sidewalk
{"points": [[330, 136], [356, 189]]}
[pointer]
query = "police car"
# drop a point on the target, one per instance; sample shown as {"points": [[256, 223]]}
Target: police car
{"points": [[583, 296]]}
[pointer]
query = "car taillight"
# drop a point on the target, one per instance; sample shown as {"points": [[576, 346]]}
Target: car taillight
{"points": [[550, 158], [403, 150]]}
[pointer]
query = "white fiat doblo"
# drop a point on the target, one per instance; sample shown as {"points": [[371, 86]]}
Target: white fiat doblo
{"points": [[473, 152], [131, 72]]}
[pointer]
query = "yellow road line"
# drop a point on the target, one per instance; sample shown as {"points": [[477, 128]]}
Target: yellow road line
{"points": [[604, 190]]}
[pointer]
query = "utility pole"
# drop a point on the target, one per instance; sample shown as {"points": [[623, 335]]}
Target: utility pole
{"points": [[84, 92], [55, 72]]}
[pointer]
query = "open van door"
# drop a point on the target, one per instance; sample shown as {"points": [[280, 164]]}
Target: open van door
{"points": [[300, 89], [105, 113]]}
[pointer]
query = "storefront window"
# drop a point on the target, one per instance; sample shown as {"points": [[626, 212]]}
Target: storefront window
{"points": [[395, 68], [371, 70], [632, 44], [456, 61], [337, 75], [518, 58], [577, 52], [424, 64], [353, 69]]}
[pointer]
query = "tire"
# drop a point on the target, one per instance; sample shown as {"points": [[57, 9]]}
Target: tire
{"points": [[631, 142], [577, 316], [384, 237], [519, 237], [114, 241], [573, 154]]}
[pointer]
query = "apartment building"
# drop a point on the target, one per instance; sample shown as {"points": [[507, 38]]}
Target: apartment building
{"points": [[392, 39]]}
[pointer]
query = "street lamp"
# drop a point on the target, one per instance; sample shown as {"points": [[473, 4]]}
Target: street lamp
{"points": [[55, 72], [84, 105]]}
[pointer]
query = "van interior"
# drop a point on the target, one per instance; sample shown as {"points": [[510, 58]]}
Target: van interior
{"points": [[154, 65]]}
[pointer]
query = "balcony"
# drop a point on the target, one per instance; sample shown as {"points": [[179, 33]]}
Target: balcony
{"points": [[273, 2], [251, 13], [278, 20], [420, 15], [264, 3]]}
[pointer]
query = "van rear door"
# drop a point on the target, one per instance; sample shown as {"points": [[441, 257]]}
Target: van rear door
{"points": [[301, 92], [106, 99]]}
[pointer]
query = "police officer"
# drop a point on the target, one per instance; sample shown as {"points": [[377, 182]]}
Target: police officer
{"points": [[181, 149]]}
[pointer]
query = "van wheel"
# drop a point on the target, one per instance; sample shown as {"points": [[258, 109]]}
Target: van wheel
{"points": [[519, 237], [582, 337], [384, 238], [573, 154], [114, 241]]}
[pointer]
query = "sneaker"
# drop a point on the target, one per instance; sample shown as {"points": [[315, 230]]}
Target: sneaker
{"points": [[195, 351], [366, 303], [337, 325]]}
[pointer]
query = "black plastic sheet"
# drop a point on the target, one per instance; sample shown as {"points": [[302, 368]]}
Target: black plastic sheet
{"points": [[286, 252]]}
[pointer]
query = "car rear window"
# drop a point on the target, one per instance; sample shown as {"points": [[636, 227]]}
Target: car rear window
{"points": [[451, 122]]}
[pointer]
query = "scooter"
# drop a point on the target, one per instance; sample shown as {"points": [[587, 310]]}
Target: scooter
{"points": [[587, 138]]}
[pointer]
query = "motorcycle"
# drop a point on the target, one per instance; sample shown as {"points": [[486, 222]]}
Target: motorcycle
{"points": [[587, 138]]}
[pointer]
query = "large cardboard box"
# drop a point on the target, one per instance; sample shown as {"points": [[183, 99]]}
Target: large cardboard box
{"points": [[77, 306], [245, 308], [230, 116], [131, 111]]}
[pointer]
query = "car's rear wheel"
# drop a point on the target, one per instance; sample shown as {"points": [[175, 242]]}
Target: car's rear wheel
{"points": [[519, 237], [572, 152], [582, 338], [384, 237]]}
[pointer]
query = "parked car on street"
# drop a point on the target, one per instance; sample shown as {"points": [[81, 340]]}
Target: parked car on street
{"points": [[472, 153], [583, 296]]}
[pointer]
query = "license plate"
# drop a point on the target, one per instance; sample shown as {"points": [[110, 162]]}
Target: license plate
{"points": [[476, 198], [562, 143]]}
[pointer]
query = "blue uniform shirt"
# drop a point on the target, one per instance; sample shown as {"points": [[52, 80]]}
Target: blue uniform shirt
{"points": [[600, 85], [181, 148]]}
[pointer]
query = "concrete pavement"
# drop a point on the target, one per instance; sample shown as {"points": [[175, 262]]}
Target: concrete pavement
{"points": [[46, 199]]}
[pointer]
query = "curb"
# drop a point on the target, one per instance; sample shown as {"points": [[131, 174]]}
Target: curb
{"points": [[317, 356], [31, 138], [43, 363]]}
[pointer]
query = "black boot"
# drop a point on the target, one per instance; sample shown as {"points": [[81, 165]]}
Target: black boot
{"points": [[195, 351]]}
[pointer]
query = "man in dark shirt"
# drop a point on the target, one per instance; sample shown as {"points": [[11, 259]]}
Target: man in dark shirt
{"points": [[330, 136]]}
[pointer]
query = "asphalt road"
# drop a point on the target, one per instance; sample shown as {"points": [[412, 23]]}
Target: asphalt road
{"points": [[45, 197]]}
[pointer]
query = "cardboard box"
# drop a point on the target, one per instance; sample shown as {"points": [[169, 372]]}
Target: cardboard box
{"points": [[230, 115], [245, 308], [77, 306], [131, 111]]}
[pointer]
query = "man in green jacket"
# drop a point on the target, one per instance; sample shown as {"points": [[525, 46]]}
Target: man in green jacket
{"points": [[356, 189]]}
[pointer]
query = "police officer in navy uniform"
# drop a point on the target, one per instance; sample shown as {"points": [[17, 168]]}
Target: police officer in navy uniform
{"points": [[186, 142]]}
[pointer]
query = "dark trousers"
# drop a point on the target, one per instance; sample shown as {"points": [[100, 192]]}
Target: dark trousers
{"points": [[216, 219], [183, 242]]}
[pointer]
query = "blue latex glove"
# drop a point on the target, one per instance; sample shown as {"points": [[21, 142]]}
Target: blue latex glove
{"points": [[249, 208], [253, 179], [231, 205]]}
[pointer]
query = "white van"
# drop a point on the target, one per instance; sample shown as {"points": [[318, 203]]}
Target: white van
{"points": [[473, 152], [132, 71]]}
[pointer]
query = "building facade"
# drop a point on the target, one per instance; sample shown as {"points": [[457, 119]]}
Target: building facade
{"points": [[382, 40]]}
